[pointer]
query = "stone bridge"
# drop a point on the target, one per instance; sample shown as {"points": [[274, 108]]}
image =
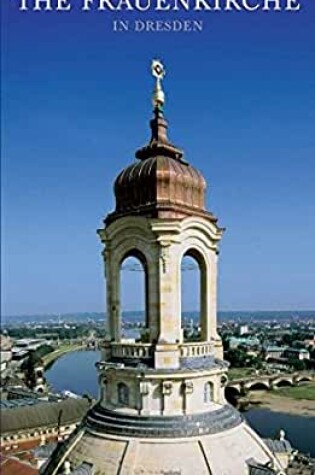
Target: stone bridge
{"points": [[238, 387]]}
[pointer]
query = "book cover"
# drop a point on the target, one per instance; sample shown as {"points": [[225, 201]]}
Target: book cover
{"points": [[237, 79]]}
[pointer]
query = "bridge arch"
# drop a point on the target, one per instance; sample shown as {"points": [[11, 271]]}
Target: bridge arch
{"points": [[303, 379], [232, 393], [257, 386], [282, 383]]}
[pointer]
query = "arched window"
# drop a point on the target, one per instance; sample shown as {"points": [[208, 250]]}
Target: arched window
{"points": [[134, 297], [208, 393], [193, 296], [123, 394]]}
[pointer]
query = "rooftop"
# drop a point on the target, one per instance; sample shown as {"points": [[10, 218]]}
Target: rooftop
{"points": [[297, 350], [42, 415], [12, 466], [13, 403]]}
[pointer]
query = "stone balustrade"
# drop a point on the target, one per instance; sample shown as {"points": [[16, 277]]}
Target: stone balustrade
{"points": [[131, 350], [145, 350], [195, 349]]}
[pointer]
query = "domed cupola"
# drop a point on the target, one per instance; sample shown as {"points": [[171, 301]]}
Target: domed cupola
{"points": [[160, 184]]}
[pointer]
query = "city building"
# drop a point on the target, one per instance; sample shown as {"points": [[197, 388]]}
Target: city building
{"points": [[243, 330], [24, 346], [26, 420], [5, 353], [162, 408], [274, 352], [296, 354], [309, 340], [249, 342]]}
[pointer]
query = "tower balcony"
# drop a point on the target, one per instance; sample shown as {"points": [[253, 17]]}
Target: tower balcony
{"points": [[142, 351], [192, 349], [127, 350]]}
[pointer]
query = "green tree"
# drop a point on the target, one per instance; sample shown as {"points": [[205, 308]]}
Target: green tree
{"points": [[29, 368], [297, 365], [237, 357]]}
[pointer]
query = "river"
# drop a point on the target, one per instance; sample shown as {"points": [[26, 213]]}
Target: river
{"points": [[76, 372]]}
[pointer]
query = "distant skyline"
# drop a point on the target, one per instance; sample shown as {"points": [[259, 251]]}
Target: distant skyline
{"points": [[240, 101], [242, 314]]}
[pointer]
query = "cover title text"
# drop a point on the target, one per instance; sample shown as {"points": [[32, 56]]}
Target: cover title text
{"points": [[160, 5]]}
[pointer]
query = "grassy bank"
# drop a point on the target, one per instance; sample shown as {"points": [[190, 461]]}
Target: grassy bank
{"points": [[305, 391], [240, 373], [62, 350], [299, 400]]}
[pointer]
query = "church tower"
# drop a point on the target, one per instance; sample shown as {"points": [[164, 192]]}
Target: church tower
{"points": [[162, 408]]}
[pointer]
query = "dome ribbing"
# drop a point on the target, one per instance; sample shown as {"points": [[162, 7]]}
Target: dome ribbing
{"points": [[161, 184]]}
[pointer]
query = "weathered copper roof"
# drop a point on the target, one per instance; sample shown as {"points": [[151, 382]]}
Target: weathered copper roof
{"points": [[161, 184], [46, 414]]}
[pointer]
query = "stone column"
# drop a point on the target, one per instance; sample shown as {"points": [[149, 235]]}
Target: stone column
{"points": [[113, 300], [212, 291], [103, 386], [153, 301], [205, 320], [170, 324], [187, 389], [108, 283], [167, 351], [144, 398], [167, 389]]}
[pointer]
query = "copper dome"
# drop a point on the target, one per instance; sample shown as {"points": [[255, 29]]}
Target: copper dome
{"points": [[161, 184]]}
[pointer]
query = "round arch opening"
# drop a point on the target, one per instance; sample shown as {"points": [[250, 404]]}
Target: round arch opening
{"points": [[193, 296], [134, 297]]}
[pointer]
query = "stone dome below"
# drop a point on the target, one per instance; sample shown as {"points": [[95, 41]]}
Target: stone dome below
{"points": [[225, 452]]}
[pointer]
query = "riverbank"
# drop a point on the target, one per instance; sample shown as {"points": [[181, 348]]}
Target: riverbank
{"points": [[296, 400], [75, 372], [62, 350], [299, 400]]}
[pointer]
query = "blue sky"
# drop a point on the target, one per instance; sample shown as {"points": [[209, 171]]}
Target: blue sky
{"points": [[76, 106]]}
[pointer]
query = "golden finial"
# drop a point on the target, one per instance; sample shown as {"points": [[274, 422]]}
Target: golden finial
{"points": [[158, 72]]}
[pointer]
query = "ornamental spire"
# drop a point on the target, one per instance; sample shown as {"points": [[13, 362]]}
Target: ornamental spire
{"points": [[158, 71], [159, 144]]}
